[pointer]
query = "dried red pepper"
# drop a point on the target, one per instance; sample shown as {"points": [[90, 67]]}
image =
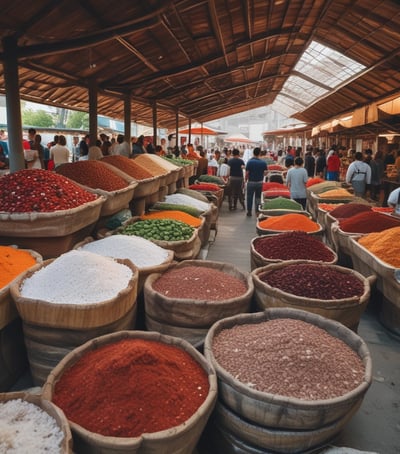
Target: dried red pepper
{"points": [[132, 387], [37, 190]]}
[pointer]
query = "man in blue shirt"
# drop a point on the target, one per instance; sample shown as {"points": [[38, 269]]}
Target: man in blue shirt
{"points": [[256, 169]]}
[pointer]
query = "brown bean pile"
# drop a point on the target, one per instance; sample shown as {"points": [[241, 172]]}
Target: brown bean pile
{"points": [[93, 174], [199, 283], [293, 246], [129, 166], [322, 282], [290, 358]]}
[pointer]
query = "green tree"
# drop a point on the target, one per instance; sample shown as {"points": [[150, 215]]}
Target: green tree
{"points": [[78, 120], [39, 118]]}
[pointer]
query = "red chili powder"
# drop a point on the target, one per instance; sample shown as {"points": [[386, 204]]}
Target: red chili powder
{"points": [[131, 387], [368, 222]]}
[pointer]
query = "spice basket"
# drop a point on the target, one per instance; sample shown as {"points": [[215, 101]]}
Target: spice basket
{"points": [[314, 199], [347, 311], [48, 407], [50, 234], [52, 330], [238, 435], [181, 439], [183, 249], [273, 411], [257, 260], [191, 318], [143, 271], [13, 359], [281, 211], [318, 233], [341, 239], [387, 282]]}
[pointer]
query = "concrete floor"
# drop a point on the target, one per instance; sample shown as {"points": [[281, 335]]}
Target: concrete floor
{"points": [[376, 425]]}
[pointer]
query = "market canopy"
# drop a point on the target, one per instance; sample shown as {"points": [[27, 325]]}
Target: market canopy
{"points": [[238, 138], [201, 61], [201, 131]]}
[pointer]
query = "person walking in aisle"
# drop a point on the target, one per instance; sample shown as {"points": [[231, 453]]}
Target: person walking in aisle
{"points": [[236, 165], [359, 175], [296, 180], [256, 169]]}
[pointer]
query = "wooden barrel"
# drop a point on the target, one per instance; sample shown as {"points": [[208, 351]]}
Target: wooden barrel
{"points": [[48, 407], [257, 260], [346, 310], [281, 412], [181, 439], [190, 318], [52, 330]]}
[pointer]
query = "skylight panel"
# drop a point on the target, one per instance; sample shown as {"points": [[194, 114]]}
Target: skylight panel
{"points": [[323, 69]]}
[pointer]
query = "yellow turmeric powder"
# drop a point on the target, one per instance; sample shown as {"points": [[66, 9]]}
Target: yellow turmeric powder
{"points": [[13, 262], [385, 245], [173, 214], [292, 221]]}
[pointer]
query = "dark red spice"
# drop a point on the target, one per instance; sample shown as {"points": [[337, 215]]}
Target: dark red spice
{"points": [[37, 190], [368, 222], [93, 174], [128, 166], [293, 246], [132, 387], [321, 282], [349, 209]]}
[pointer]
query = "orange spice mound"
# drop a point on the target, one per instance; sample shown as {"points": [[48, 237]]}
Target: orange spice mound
{"points": [[290, 221]]}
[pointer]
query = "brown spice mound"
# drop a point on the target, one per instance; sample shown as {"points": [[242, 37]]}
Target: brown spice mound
{"points": [[290, 358], [199, 283]]}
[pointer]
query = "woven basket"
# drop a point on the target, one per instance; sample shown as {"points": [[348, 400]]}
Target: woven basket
{"points": [[274, 411], [52, 410], [181, 315], [181, 439], [347, 310]]}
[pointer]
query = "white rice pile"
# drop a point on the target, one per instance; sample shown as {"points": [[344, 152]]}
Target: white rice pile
{"points": [[77, 277], [141, 252], [183, 199], [26, 429]]}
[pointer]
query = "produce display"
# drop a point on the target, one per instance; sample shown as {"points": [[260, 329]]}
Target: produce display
{"points": [[144, 387], [141, 252], [291, 221], [199, 283], [25, 426], [313, 181], [290, 358], [129, 166], [368, 222], [281, 203], [155, 167], [347, 210], [272, 185], [385, 245], [37, 190], [189, 209], [328, 206], [293, 246], [77, 277], [276, 192], [211, 179], [205, 187], [337, 193], [183, 199], [314, 281], [193, 221], [159, 229], [13, 262], [93, 174]]}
